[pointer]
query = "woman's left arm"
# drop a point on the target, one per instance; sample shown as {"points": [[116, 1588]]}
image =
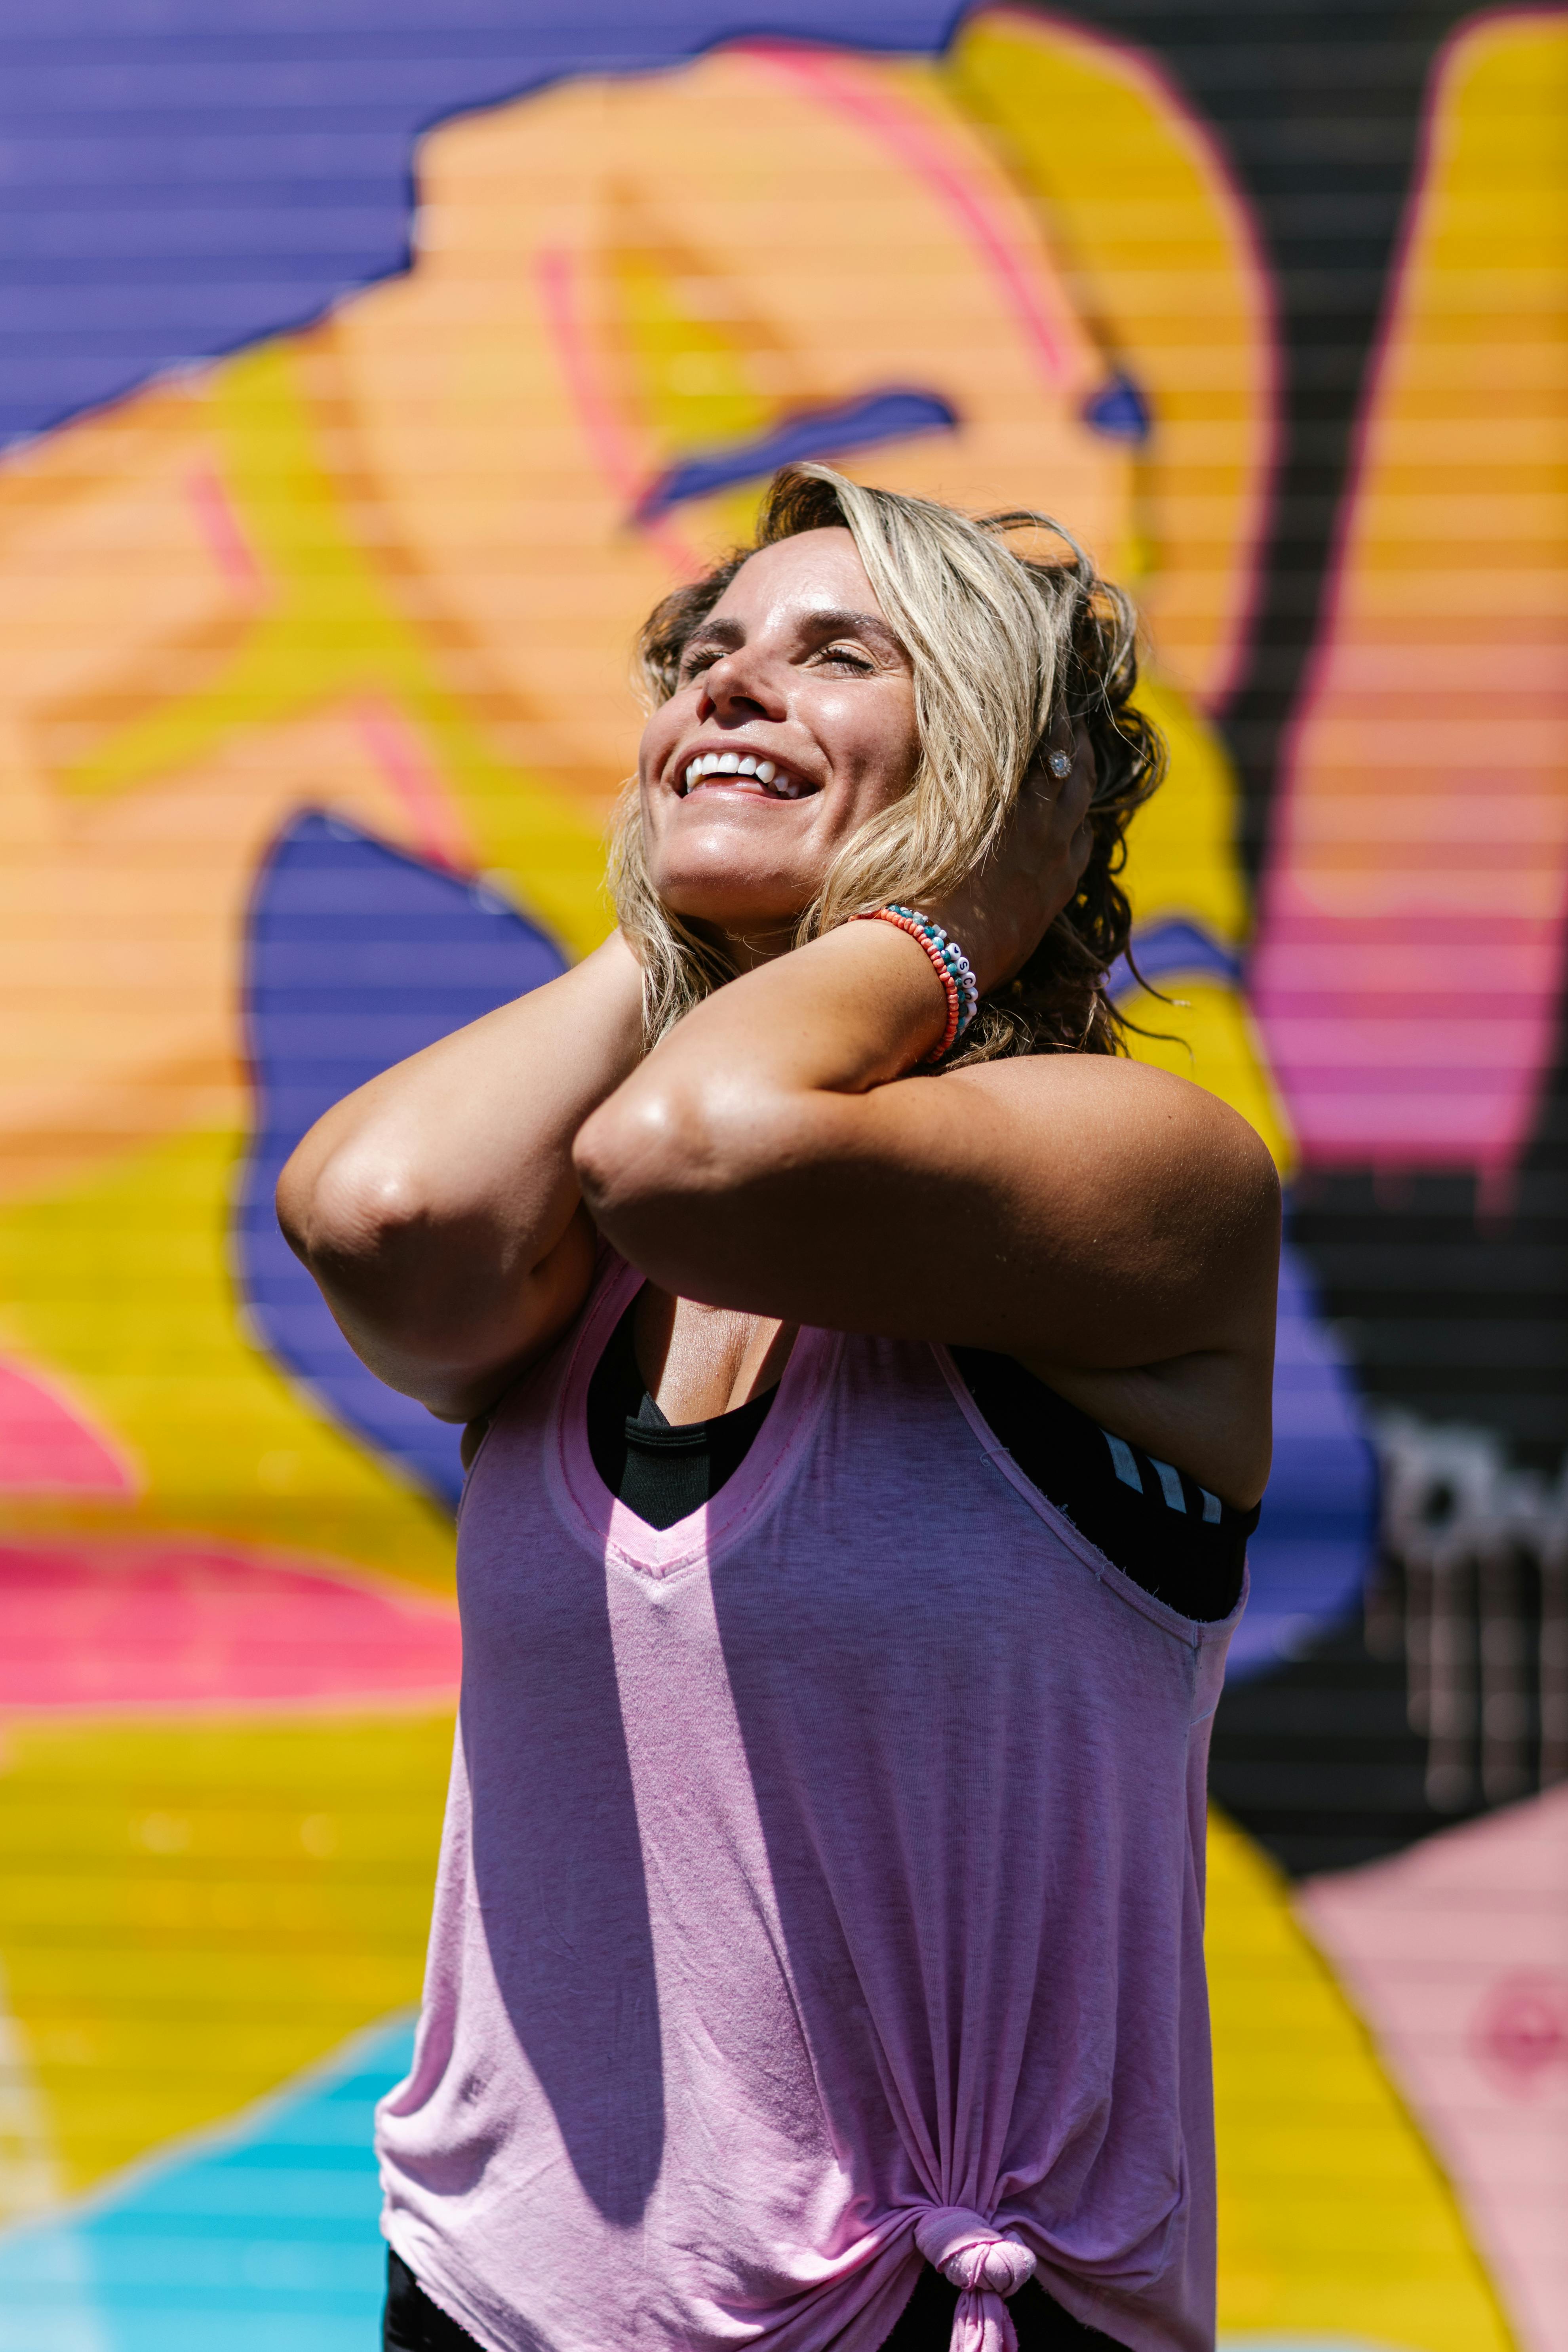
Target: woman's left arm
{"points": [[1112, 1226]]}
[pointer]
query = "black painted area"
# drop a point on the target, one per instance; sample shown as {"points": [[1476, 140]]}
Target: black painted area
{"points": [[1451, 1307], [1317, 1760], [1318, 106]]}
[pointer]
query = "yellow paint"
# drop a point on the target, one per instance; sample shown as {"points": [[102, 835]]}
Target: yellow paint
{"points": [[697, 364], [1160, 262], [114, 597], [689, 350], [1334, 2218], [122, 1284], [1201, 1030], [1446, 641], [1182, 865], [1181, 845], [189, 1915], [332, 628]]}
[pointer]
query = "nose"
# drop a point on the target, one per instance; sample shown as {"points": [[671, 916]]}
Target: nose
{"points": [[742, 685]]}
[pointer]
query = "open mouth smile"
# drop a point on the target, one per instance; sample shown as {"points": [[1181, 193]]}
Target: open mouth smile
{"points": [[742, 771]]}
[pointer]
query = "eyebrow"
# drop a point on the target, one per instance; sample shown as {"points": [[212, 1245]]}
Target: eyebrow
{"points": [[856, 624], [833, 624]]}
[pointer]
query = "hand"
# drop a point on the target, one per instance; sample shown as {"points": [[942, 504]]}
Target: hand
{"points": [[1002, 911]]}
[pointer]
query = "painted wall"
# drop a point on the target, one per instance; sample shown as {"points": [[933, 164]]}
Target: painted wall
{"points": [[371, 372]]}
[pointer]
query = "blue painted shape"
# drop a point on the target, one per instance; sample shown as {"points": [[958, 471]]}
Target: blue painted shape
{"points": [[809, 433], [1316, 1542], [357, 956], [180, 177], [1119, 411], [1173, 950], [259, 2234]]}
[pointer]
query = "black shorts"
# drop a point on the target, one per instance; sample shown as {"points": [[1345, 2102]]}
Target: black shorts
{"points": [[412, 2322]]}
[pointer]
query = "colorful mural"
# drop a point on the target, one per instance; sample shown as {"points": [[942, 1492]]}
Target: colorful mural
{"points": [[313, 698]]}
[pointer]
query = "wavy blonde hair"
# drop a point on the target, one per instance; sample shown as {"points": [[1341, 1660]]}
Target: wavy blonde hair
{"points": [[1003, 647]]}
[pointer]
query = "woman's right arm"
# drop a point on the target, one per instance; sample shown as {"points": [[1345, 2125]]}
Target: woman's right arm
{"points": [[437, 1208]]}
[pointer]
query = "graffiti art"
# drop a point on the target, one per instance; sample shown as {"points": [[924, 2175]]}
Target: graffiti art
{"points": [[373, 374]]}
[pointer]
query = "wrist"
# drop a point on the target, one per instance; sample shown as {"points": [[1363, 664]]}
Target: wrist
{"points": [[950, 966], [893, 1002]]}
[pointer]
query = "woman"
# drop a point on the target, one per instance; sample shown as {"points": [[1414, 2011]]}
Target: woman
{"points": [[868, 1370]]}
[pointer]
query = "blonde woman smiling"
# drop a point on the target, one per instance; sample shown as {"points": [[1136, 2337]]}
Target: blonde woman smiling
{"points": [[868, 1370]]}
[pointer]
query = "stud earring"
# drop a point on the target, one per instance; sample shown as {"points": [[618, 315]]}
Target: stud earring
{"points": [[1060, 763]]}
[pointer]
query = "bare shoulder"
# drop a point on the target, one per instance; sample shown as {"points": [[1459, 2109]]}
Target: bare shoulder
{"points": [[1156, 1211], [1126, 1119]]}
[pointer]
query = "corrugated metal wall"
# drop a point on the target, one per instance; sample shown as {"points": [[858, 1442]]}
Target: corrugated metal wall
{"points": [[343, 346]]}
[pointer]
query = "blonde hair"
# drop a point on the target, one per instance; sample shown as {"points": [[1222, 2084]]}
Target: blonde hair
{"points": [[1002, 647]]}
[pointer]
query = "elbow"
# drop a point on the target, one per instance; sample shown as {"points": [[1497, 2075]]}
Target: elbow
{"points": [[660, 1164], [349, 1209]]}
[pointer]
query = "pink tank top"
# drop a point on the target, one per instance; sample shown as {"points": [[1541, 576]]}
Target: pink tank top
{"points": [[821, 1893]]}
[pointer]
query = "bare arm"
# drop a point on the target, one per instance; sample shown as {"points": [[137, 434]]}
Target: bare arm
{"points": [[1112, 1226], [438, 1208]]}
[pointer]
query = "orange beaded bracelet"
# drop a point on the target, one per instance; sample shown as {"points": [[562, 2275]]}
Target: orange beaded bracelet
{"points": [[948, 962]]}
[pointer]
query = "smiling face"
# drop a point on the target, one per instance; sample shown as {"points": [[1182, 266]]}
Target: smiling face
{"points": [[793, 722]]}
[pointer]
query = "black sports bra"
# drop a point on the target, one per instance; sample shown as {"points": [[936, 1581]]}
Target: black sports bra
{"points": [[1159, 1526]]}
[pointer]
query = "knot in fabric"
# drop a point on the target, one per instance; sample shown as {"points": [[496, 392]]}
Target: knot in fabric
{"points": [[985, 2265]]}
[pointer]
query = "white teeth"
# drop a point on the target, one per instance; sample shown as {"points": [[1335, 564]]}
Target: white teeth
{"points": [[785, 786]]}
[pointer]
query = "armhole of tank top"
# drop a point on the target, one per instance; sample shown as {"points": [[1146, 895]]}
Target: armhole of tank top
{"points": [[1196, 1634], [607, 1263]]}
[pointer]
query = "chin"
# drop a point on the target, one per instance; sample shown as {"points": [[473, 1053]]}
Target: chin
{"points": [[716, 908], [724, 901]]}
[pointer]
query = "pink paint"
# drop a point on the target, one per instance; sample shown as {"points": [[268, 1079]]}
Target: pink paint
{"points": [[48, 1446], [1410, 1023], [901, 132], [1408, 1040], [398, 754], [1520, 2031], [221, 528], [608, 443], [1420, 835], [172, 1622], [1456, 1954]]}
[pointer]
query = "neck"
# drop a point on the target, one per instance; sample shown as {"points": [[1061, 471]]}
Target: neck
{"points": [[748, 949]]}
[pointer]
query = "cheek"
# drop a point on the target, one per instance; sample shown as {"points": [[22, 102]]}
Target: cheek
{"points": [[882, 751], [658, 738]]}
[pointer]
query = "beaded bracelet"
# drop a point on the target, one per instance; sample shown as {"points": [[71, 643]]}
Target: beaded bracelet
{"points": [[948, 962]]}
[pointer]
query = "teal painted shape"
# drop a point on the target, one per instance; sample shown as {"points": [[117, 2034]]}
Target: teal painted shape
{"points": [[260, 2234]]}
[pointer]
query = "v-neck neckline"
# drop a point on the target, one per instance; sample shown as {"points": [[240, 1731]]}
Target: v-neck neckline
{"points": [[605, 1522]]}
